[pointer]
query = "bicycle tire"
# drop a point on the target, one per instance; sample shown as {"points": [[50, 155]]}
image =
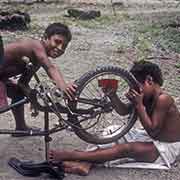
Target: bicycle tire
{"points": [[82, 83]]}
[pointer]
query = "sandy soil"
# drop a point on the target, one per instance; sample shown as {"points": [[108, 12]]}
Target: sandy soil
{"points": [[94, 44]]}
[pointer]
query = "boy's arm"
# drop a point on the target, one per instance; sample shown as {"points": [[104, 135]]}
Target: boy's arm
{"points": [[120, 107], [154, 123], [53, 72]]}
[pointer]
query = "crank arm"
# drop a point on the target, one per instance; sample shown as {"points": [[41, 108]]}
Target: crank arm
{"points": [[94, 102]]}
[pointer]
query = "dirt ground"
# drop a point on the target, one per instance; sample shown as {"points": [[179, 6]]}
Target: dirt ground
{"points": [[129, 31]]}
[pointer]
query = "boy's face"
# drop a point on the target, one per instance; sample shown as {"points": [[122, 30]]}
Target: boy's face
{"points": [[56, 45], [147, 87]]}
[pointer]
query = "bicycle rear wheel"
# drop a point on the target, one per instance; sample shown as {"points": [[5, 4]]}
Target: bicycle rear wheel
{"points": [[105, 125]]}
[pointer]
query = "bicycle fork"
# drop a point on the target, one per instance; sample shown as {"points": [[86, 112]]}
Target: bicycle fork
{"points": [[47, 138]]}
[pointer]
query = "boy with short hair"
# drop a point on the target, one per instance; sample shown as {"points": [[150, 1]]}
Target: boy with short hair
{"points": [[159, 142], [53, 44]]}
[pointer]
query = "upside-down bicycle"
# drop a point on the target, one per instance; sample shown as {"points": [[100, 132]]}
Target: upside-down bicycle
{"points": [[89, 114]]}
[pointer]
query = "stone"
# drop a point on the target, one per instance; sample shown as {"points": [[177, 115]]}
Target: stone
{"points": [[83, 15], [15, 20]]}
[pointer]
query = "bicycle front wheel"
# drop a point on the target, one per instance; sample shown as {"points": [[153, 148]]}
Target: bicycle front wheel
{"points": [[105, 125]]}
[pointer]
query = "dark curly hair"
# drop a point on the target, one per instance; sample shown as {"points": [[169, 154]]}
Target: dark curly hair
{"points": [[58, 28], [141, 69]]}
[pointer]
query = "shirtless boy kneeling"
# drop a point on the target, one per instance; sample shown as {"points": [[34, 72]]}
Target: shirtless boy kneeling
{"points": [[53, 44], [158, 115]]}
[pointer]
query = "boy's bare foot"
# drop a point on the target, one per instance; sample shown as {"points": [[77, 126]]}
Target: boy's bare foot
{"points": [[74, 167], [57, 155]]}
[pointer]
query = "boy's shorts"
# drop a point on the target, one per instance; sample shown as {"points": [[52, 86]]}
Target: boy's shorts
{"points": [[169, 152]]}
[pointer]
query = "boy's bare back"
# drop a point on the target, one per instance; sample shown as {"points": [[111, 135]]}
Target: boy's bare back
{"points": [[16, 51], [169, 130], [26, 47]]}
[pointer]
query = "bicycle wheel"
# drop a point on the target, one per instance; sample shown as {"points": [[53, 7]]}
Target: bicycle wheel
{"points": [[105, 125]]}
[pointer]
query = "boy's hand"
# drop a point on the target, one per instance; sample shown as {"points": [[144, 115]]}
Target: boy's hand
{"points": [[70, 90], [135, 97]]}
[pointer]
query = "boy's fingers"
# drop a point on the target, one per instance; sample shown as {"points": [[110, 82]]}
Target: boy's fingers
{"points": [[134, 92], [141, 90], [68, 95], [74, 85], [70, 91], [130, 96], [73, 89]]}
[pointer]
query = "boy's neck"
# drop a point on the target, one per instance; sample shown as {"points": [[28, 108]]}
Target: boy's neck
{"points": [[44, 44], [153, 100], [157, 91]]}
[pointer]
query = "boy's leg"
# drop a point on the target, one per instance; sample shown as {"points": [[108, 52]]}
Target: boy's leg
{"points": [[18, 112], [140, 151], [3, 95]]}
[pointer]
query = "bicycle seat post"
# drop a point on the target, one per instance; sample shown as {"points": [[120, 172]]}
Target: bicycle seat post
{"points": [[47, 138]]}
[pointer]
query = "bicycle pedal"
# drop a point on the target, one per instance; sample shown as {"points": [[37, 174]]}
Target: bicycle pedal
{"points": [[56, 125], [69, 128]]}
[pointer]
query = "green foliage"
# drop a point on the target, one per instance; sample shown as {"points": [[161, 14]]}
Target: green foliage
{"points": [[144, 39], [177, 65], [99, 22], [143, 46], [151, 30], [147, 36], [170, 39]]}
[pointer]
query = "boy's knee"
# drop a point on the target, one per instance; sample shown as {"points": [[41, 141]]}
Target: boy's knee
{"points": [[152, 156], [144, 152], [123, 149]]}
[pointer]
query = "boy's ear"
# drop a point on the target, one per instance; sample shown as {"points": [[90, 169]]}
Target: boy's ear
{"points": [[45, 36], [149, 79]]}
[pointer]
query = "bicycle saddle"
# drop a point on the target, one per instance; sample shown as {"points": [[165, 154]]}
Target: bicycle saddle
{"points": [[35, 169]]}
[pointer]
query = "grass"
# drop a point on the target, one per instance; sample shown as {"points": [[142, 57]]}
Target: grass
{"points": [[99, 22], [166, 38], [177, 65], [171, 39], [149, 36]]}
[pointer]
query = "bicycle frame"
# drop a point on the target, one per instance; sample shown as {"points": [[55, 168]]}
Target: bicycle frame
{"points": [[46, 131]]}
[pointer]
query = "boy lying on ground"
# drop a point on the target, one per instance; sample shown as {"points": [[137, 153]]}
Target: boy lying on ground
{"points": [[159, 116]]}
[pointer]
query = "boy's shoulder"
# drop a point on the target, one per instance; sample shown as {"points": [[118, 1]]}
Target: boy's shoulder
{"points": [[164, 99], [24, 42], [30, 43]]}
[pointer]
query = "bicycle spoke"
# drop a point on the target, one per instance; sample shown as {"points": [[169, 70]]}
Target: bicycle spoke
{"points": [[93, 96]]}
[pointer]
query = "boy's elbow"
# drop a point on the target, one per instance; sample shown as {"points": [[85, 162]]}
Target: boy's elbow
{"points": [[51, 69], [153, 132], [123, 112]]}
